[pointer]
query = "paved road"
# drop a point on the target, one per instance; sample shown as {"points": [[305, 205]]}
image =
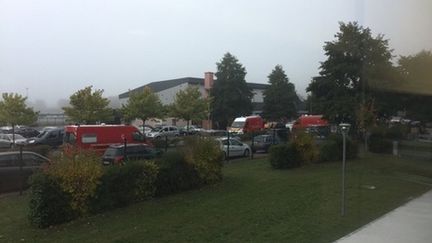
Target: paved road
{"points": [[410, 223]]}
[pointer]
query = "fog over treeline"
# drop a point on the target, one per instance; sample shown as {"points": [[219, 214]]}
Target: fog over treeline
{"points": [[42, 106]]}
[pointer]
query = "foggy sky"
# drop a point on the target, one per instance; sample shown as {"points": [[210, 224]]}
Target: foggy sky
{"points": [[51, 48]]}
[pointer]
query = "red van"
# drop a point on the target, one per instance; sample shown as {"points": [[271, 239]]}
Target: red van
{"points": [[306, 121], [246, 124], [99, 137]]}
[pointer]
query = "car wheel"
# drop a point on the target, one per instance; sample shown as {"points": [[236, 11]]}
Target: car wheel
{"points": [[246, 153]]}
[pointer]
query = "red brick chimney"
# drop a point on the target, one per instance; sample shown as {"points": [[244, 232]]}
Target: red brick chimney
{"points": [[208, 80], [208, 84]]}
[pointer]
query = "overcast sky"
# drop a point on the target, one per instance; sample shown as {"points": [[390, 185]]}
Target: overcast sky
{"points": [[51, 48]]}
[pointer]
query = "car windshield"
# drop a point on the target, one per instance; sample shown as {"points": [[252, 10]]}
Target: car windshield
{"points": [[111, 152], [259, 139], [156, 129], [237, 124], [42, 134], [18, 136]]}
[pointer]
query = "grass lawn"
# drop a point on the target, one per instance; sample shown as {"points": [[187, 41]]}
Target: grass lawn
{"points": [[253, 203]]}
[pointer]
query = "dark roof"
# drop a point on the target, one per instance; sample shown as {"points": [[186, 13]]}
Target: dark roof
{"points": [[163, 85], [257, 86], [166, 84]]}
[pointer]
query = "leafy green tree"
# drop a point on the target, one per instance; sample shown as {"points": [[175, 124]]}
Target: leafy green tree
{"points": [[230, 95], [14, 111], [143, 105], [416, 88], [190, 105], [280, 98], [88, 107], [357, 63]]}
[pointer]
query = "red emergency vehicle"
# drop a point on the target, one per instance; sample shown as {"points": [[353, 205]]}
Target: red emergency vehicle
{"points": [[99, 137], [246, 124], [306, 121]]}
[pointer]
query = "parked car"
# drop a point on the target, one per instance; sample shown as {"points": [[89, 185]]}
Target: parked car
{"points": [[263, 142], [217, 134], [11, 176], [49, 136], [6, 140], [145, 129], [165, 131], [193, 130], [236, 148], [27, 132], [114, 154]]}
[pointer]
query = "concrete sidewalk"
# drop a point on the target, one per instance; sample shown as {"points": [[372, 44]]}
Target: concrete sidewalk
{"points": [[411, 223]]}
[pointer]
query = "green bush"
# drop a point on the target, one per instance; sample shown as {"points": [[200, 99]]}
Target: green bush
{"points": [[123, 185], [329, 151], [72, 186], [205, 156], [78, 175], [49, 204], [397, 132], [175, 174], [378, 141], [378, 144], [284, 156], [305, 145], [331, 148]]}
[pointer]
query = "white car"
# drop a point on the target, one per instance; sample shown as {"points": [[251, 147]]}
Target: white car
{"points": [[236, 148], [6, 140]]}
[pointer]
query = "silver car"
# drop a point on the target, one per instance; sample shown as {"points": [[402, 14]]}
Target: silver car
{"points": [[165, 131], [236, 148], [6, 140]]}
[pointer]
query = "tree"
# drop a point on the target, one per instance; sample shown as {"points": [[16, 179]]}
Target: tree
{"points": [[231, 97], [280, 98], [190, 105], [14, 111], [88, 107], [356, 64], [416, 87], [143, 105]]}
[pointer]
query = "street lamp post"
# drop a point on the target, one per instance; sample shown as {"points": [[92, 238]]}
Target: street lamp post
{"points": [[344, 127]]}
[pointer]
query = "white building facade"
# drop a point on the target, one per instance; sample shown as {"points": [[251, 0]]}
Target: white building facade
{"points": [[167, 90]]}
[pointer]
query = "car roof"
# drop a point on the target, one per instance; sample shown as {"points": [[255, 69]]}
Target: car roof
{"points": [[128, 145], [24, 152], [226, 138]]}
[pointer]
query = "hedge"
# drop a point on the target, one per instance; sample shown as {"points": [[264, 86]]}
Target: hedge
{"points": [[332, 148], [74, 186], [284, 156], [175, 174]]}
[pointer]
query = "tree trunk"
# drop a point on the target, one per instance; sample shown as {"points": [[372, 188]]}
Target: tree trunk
{"points": [[13, 135], [187, 127]]}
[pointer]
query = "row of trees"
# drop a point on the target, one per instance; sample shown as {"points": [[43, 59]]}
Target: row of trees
{"points": [[89, 107], [358, 82], [230, 97]]}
